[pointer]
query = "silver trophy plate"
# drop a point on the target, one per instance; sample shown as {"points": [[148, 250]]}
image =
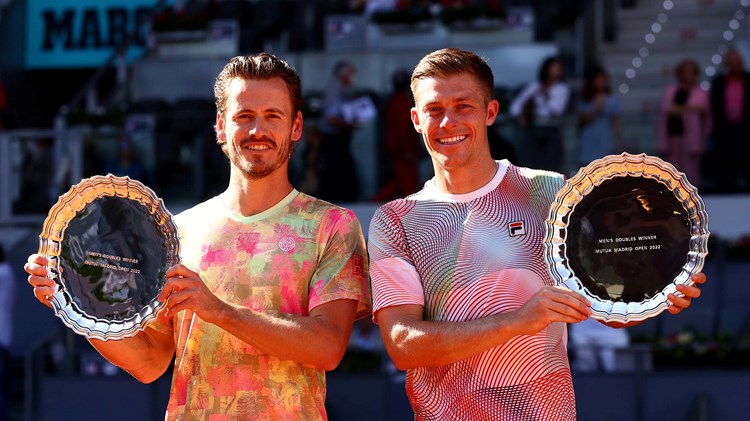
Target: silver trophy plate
{"points": [[624, 232], [110, 241]]}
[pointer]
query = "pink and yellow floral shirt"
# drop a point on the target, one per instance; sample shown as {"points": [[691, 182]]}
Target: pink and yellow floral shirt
{"points": [[299, 254]]}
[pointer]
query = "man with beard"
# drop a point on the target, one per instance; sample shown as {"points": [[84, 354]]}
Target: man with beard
{"points": [[271, 279]]}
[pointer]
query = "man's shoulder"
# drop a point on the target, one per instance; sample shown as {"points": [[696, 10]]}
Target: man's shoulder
{"points": [[312, 203], [311, 206], [536, 174], [199, 211]]}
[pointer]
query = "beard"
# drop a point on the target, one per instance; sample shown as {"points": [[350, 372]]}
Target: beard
{"points": [[256, 167]]}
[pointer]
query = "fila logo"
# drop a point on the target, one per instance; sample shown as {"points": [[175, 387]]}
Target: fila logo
{"points": [[516, 228]]}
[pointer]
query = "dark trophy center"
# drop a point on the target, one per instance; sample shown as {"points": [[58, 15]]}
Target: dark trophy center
{"points": [[112, 257], [628, 239]]}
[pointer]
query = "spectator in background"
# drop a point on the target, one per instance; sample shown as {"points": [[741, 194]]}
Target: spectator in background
{"points": [[684, 122], [598, 118], [401, 142], [730, 106], [337, 175], [539, 108], [126, 163], [7, 304]]}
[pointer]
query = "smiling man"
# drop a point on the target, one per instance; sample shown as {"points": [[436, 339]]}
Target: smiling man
{"points": [[460, 287], [271, 279]]}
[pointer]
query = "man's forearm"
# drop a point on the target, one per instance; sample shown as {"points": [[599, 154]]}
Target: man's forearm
{"points": [[145, 356], [430, 343], [319, 339]]}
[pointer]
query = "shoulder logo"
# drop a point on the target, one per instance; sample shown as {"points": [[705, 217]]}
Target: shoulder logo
{"points": [[516, 228]]}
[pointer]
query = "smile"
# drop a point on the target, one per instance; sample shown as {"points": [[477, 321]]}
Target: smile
{"points": [[258, 147], [451, 140]]}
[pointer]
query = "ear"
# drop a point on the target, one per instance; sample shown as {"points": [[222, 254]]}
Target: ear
{"points": [[415, 120], [493, 108], [297, 127], [221, 133]]}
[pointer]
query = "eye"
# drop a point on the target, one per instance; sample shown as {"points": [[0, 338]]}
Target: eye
{"points": [[241, 116]]}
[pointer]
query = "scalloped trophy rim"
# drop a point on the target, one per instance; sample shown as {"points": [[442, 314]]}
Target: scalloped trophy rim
{"points": [[59, 217], [581, 184]]}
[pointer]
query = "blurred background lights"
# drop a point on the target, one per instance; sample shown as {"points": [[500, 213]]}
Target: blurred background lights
{"points": [[657, 27]]}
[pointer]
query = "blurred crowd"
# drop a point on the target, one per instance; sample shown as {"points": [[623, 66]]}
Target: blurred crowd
{"points": [[553, 122], [263, 21], [703, 133]]}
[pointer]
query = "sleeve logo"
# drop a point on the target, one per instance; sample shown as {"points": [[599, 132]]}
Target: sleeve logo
{"points": [[358, 265]]}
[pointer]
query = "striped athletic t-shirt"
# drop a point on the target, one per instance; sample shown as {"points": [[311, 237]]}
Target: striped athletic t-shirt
{"points": [[465, 257]]}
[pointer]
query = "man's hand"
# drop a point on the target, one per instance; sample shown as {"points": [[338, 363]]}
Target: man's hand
{"points": [[44, 287], [184, 289], [552, 304], [679, 303]]}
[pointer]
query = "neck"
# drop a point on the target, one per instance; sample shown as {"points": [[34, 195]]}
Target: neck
{"points": [[250, 196], [465, 180]]}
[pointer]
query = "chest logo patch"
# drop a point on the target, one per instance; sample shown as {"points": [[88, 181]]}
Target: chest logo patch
{"points": [[286, 244], [516, 228]]}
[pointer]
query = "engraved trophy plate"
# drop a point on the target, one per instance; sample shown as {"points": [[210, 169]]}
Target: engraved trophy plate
{"points": [[624, 232], [110, 241]]}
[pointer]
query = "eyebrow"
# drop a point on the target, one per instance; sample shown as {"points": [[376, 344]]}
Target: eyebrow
{"points": [[438, 102], [275, 110]]}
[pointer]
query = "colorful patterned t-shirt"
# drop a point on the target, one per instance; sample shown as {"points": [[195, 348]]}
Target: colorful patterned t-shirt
{"points": [[299, 254], [466, 257]]}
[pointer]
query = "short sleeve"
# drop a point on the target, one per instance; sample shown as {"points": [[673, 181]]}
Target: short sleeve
{"points": [[342, 271], [394, 278]]}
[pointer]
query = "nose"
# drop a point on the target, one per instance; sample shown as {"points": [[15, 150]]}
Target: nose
{"points": [[449, 119], [255, 127]]}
